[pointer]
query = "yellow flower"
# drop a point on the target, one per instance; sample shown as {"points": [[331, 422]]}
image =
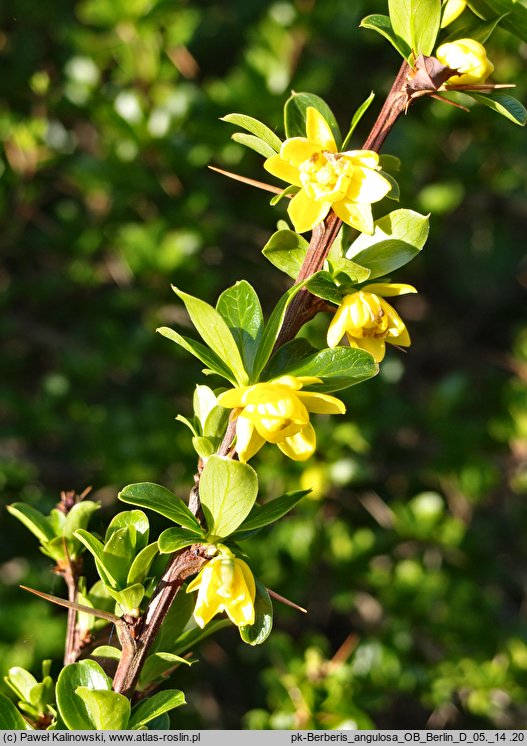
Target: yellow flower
{"points": [[226, 583], [278, 412], [469, 58], [452, 10], [368, 321], [347, 182]]}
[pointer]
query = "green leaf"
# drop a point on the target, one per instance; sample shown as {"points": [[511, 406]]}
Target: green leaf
{"points": [[203, 447], [514, 12], [389, 163], [353, 272], [397, 238], [383, 26], [287, 251], [240, 307], [155, 705], [34, 520], [21, 682], [359, 113], [79, 516], [160, 500], [118, 554], [129, 598], [107, 651], [323, 286], [295, 115], [254, 143], [96, 548], [191, 637], [256, 128], [134, 519], [215, 333], [395, 192], [141, 564], [107, 710], [158, 665], [287, 192], [286, 356], [208, 357], [503, 104], [72, 708], [272, 330], [174, 539], [416, 22], [338, 368], [475, 30], [264, 515], [10, 718], [228, 490], [256, 633]]}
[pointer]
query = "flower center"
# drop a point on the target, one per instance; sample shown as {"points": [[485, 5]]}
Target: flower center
{"points": [[326, 176], [371, 320]]}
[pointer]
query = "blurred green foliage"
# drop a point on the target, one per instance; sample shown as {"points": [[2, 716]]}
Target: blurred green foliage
{"points": [[410, 555]]}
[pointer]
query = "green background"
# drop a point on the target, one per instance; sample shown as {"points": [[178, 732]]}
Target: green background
{"points": [[410, 557]]}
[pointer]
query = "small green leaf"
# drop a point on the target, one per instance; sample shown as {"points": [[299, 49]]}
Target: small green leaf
{"points": [[286, 356], [514, 14], [503, 104], [118, 554], [323, 286], [215, 333], [359, 113], [135, 519], [383, 26], [395, 192], [228, 490], [174, 539], [155, 705], [338, 368], [287, 251], [10, 718], [240, 307], [158, 665], [96, 548], [287, 192], [389, 163], [71, 707], [107, 710], [129, 599], [203, 447], [416, 22], [21, 682], [264, 515], [475, 30], [107, 651], [207, 357], [141, 564], [397, 238], [256, 128], [295, 115], [34, 520], [254, 143], [353, 272], [160, 500], [258, 632], [272, 330]]}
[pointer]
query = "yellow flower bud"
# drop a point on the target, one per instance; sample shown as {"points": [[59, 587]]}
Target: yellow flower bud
{"points": [[227, 584], [469, 58], [368, 321], [346, 182], [278, 412], [452, 10]]}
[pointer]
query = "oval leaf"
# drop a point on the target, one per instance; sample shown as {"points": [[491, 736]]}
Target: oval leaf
{"points": [[416, 22], [263, 515], [72, 708], [107, 710], [256, 128], [154, 706], [256, 633], [160, 500], [174, 539], [228, 490], [10, 718], [287, 251], [503, 104], [254, 143], [240, 307], [338, 368]]}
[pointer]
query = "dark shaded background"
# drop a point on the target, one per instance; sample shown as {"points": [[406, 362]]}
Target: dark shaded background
{"points": [[411, 555]]}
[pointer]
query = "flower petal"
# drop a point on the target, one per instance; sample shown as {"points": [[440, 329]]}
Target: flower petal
{"points": [[282, 170], [305, 213], [389, 289], [301, 446], [318, 129], [233, 397], [248, 441], [358, 216], [296, 150], [367, 186], [338, 326], [321, 403], [375, 346], [366, 158]]}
